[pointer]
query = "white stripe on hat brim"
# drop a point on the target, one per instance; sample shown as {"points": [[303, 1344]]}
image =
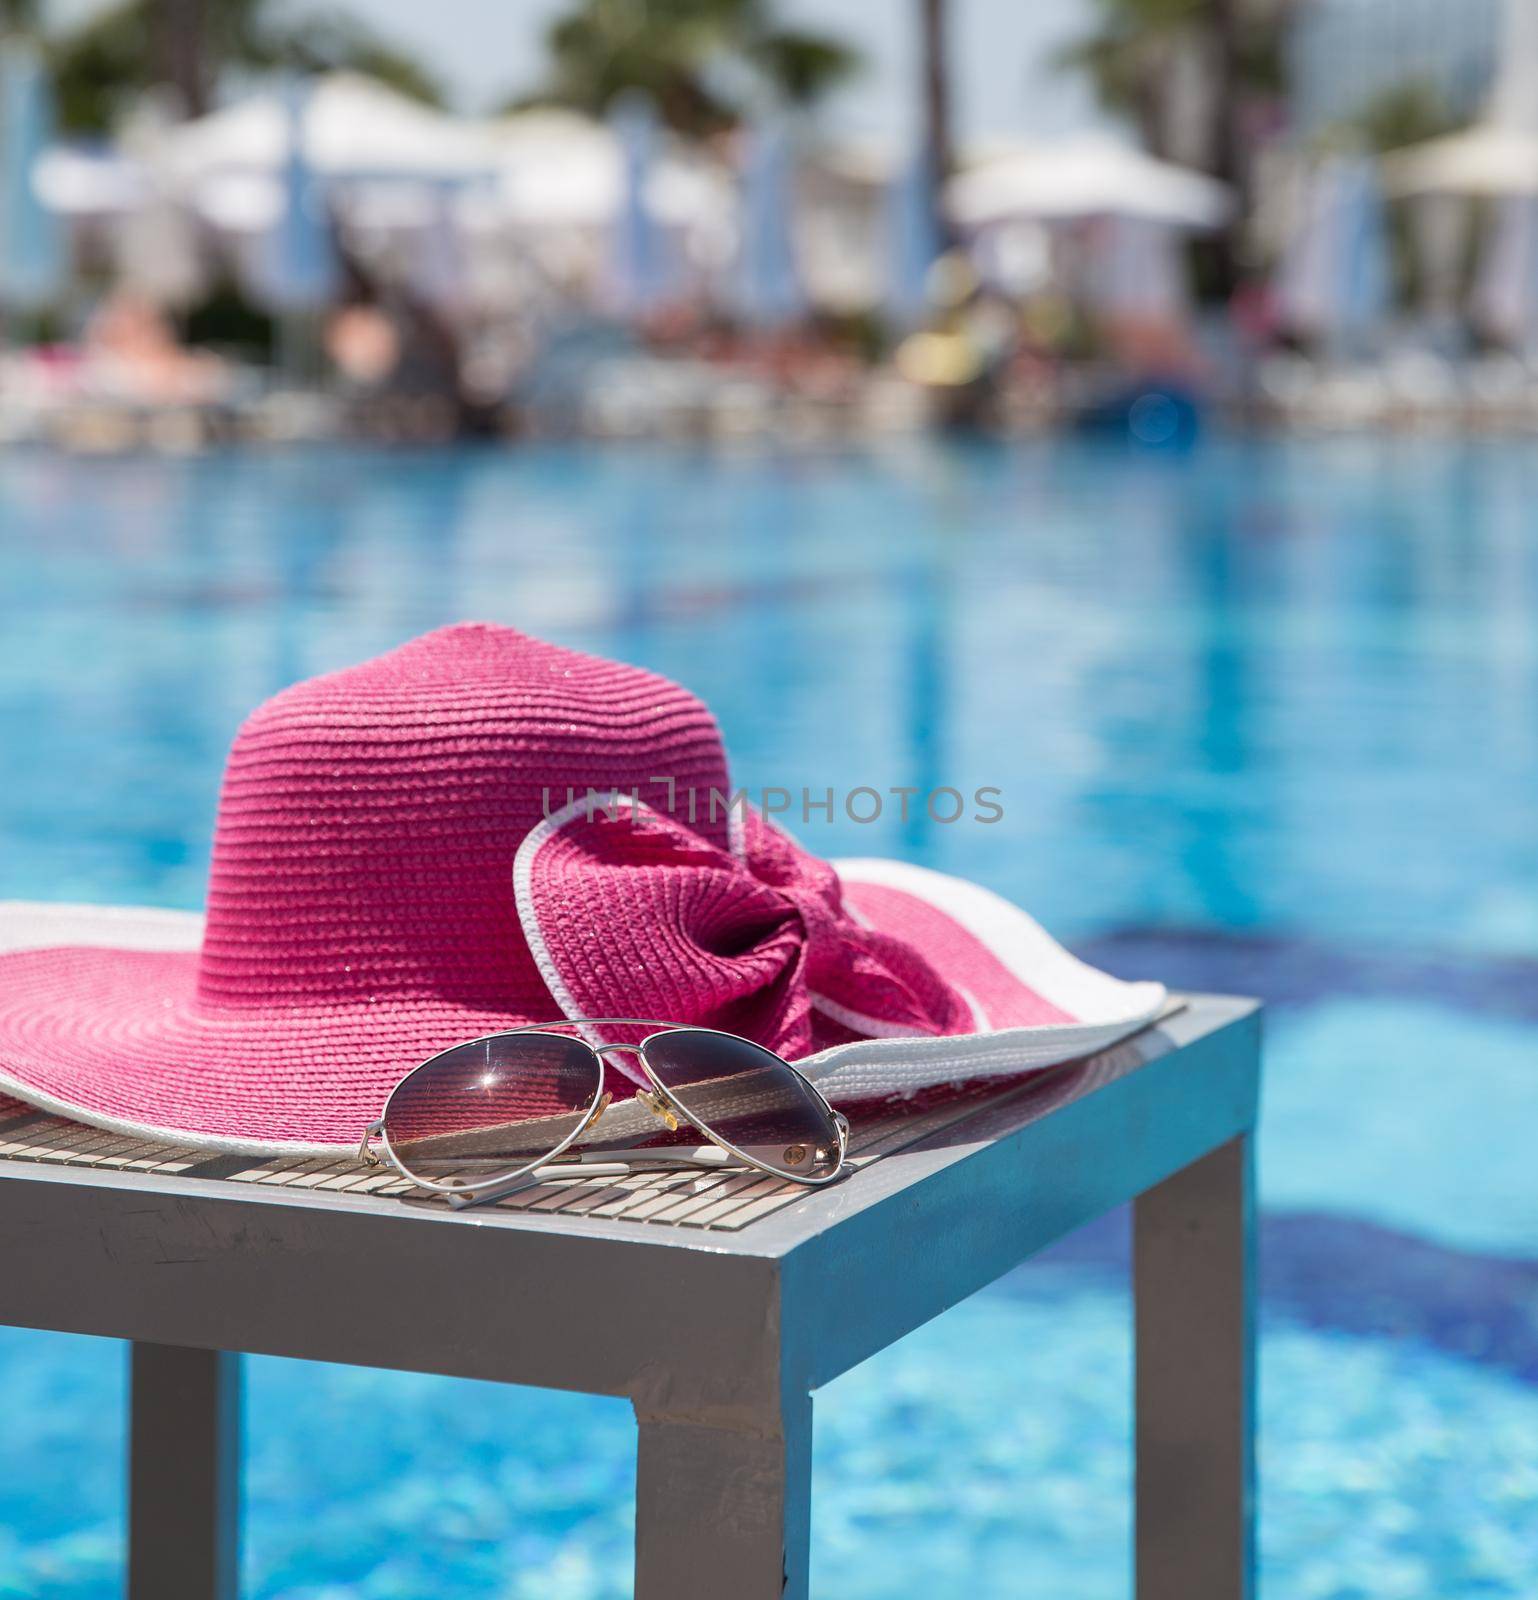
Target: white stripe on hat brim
{"points": [[1109, 1008]]}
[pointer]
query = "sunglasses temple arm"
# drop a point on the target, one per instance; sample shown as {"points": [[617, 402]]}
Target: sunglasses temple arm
{"points": [[600, 1164]]}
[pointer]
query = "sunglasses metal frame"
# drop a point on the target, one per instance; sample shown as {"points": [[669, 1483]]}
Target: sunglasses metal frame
{"points": [[659, 1100]]}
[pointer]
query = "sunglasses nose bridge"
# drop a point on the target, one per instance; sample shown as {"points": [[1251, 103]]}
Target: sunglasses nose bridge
{"points": [[605, 1051], [653, 1103]]}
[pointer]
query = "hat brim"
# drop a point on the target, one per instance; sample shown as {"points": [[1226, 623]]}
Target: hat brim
{"points": [[99, 1022], [1034, 1003], [109, 1033]]}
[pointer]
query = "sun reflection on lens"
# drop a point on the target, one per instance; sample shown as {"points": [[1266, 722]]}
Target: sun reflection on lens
{"points": [[489, 1107]]}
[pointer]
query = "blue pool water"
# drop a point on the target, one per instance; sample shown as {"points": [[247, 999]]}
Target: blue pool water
{"points": [[1265, 718]]}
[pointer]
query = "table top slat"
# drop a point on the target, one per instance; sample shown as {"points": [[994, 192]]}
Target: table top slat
{"points": [[681, 1198]]}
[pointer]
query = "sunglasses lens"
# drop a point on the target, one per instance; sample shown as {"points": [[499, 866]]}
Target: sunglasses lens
{"points": [[748, 1098], [485, 1109]]}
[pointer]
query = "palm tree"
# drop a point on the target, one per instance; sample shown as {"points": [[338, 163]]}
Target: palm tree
{"points": [[102, 65], [179, 51], [703, 62], [19, 16], [933, 25], [939, 137], [1143, 55], [1137, 55]]}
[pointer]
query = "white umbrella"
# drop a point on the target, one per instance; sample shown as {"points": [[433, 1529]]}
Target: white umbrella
{"points": [[352, 127], [1483, 160], [557, 169], [88, 183], [1085, 177], [1499, 154]]}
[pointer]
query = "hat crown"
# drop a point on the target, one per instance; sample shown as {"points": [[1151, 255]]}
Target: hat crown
{"points": [[369, 818]]}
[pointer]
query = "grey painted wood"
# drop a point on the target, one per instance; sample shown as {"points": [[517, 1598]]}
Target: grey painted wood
{"points": [[1069, 1149], [183, 1474], [724, 1503], [1194, 1282]]}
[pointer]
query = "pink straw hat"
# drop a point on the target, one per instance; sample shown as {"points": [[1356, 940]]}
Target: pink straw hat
{"points": [[478, 830]]}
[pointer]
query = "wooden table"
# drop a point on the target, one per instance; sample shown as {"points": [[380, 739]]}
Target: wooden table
{"points": [[716, 1303]]}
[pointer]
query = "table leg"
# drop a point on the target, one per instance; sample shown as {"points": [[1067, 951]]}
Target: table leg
{"points": [[1193, 1277], [724, 1507], [183, 1474]]}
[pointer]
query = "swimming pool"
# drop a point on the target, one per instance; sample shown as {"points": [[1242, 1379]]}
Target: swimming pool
{"points": [[1265, 717]]}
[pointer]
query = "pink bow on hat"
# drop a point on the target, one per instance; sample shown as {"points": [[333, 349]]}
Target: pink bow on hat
{"points": [[635, 914]]}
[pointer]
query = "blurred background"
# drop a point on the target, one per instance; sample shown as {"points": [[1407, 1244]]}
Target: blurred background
{"points": [[1129, 404]]}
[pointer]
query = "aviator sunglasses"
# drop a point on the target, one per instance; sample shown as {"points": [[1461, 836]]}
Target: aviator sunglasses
{"points": [[492, 1115]]}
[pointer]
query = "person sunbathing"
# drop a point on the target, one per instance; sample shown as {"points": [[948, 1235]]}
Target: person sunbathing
{"points": [[132, 353]]}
